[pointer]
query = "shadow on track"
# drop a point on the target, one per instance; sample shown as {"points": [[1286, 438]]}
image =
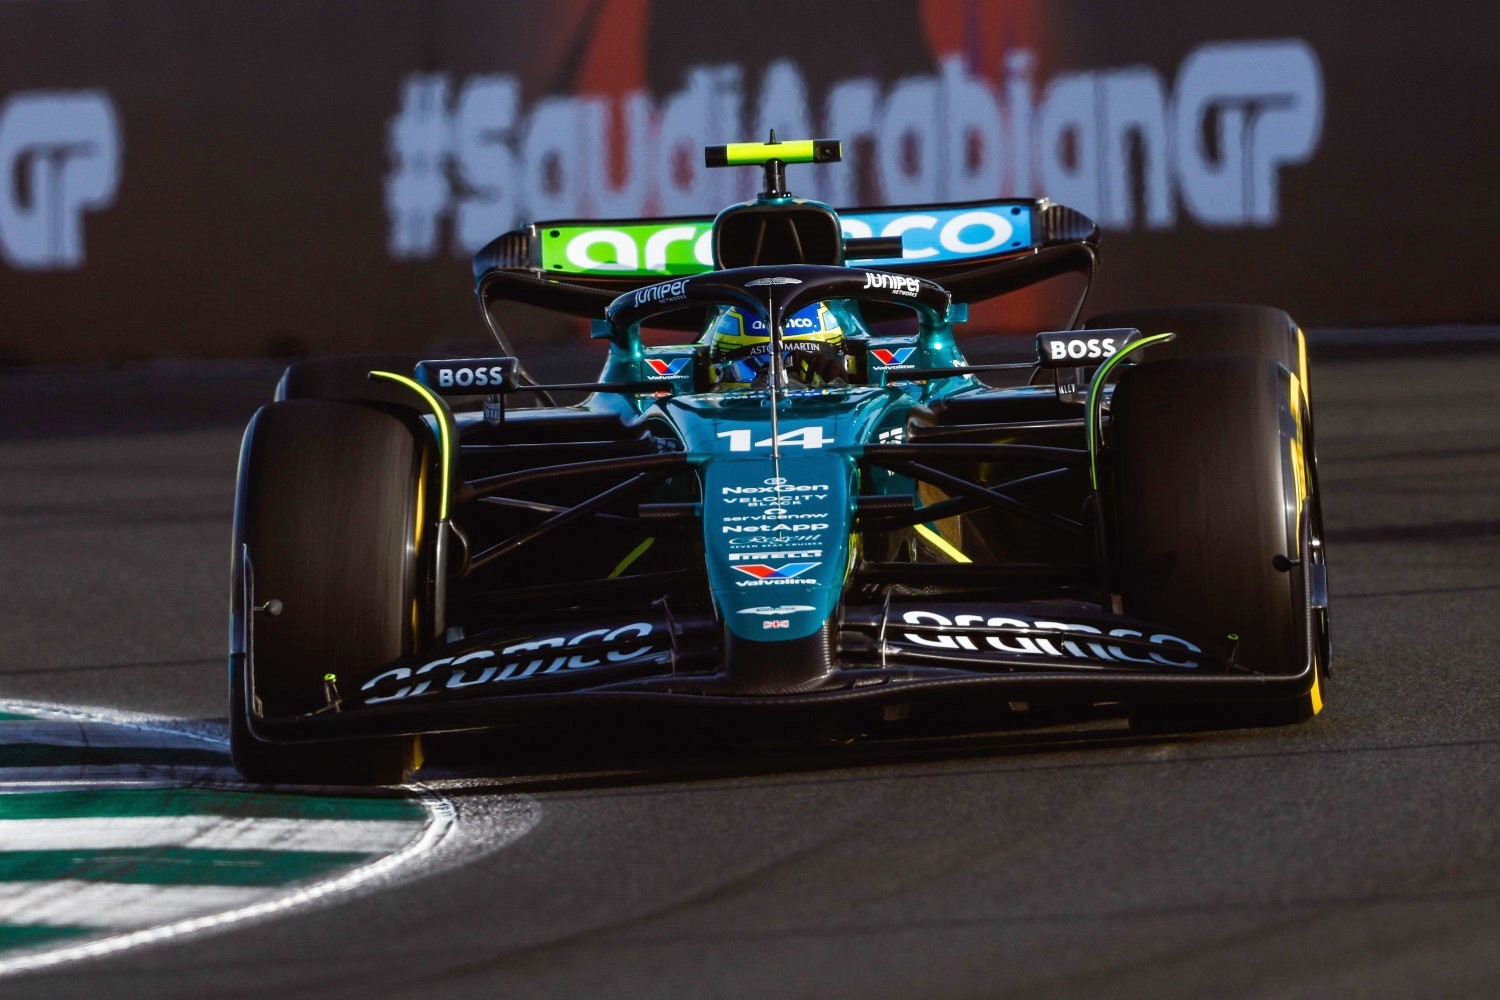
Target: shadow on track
{"points": [[618, 757]]}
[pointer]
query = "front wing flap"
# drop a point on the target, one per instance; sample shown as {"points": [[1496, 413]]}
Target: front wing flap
{"points": [[1043, 652]]}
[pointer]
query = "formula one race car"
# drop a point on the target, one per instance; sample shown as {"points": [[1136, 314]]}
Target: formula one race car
{"points": [[811, 506]]}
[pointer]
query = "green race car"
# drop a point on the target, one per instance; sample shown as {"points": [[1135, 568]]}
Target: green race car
{"points": [[809, 507]]}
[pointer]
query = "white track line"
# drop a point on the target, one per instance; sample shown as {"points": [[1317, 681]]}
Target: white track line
{"points": [[32, 779], [441, 823], [106, 905], [204, 831], [64, 733], [54, 781]]}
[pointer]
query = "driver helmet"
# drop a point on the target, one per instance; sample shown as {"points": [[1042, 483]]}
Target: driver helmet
{"points": [[812, 348]]}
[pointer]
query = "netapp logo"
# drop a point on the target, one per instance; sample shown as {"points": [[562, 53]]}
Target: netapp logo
{"points": [[801, 529], [60, 155]]}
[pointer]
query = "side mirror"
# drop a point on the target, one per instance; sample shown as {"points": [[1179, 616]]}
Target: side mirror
{"points": [[872, 247]]}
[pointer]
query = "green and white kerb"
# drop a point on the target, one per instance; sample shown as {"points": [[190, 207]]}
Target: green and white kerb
{"points": [[114, 835]]}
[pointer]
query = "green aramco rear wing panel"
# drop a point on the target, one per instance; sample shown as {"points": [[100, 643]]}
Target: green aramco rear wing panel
{"points": [[646, 248]]}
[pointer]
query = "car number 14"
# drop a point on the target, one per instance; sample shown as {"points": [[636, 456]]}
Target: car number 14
{"points": [[743, 439]]}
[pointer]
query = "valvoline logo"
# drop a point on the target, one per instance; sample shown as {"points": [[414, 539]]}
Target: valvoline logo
{"points": [[784, 572], [667, 369], [888, 357]]}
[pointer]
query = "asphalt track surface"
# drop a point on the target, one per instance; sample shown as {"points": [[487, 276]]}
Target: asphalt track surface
{"points": [[1358, 855]]}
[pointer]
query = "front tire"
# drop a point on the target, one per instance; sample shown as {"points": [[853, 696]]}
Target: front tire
{"points": [[330, 513], [1208, 487]]}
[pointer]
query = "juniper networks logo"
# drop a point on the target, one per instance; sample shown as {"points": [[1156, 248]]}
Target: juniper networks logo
{"points": [[1132, 147]]}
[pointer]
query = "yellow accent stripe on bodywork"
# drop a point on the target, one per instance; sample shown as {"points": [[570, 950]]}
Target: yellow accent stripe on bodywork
{"points": [[942, 544], [440, 411], [1096, 388], [631, 557]]}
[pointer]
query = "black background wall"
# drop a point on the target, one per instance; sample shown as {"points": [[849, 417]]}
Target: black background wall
{"points": [[220, 178]]}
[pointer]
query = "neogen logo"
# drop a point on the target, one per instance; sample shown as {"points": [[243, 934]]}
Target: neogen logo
{"points": [[1132, 147], [60, 154]]}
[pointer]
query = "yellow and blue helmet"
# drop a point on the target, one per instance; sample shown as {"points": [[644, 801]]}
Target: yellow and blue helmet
{"points": [[812, 347]]}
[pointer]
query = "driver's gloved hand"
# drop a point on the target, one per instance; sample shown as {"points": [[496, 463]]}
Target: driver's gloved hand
{"points": [[815, 368]]}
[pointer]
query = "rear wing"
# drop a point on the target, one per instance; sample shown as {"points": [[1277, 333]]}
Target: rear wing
{"points": [[977, 250]]}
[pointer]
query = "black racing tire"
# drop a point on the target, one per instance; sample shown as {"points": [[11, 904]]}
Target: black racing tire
{"points": [[1217, 331], [330, 512], [1206, 489]]}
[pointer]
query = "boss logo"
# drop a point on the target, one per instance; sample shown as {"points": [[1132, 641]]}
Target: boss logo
{"points": [[469, 375], [1081, 349], [1094, 347]]}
